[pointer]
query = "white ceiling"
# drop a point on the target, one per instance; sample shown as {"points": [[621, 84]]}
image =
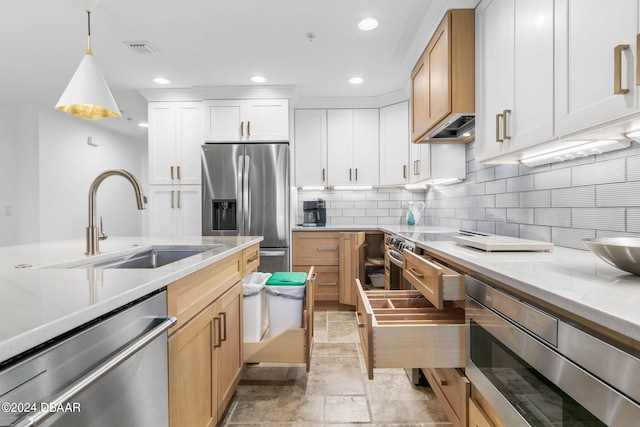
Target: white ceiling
{"points": [[206, 43]]}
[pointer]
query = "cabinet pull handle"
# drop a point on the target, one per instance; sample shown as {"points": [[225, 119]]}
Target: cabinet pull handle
{"points": [[171, 172], [404, 171], [172, 204], [498, 139], [415, 167], [323, 174], [327, 249], [350, 174], [252, 259], [637, 60], [505, 121], [179, 207], [241, 128], [356, 174], [248, 128], [217, 333], [179, 175], [617, 69], [327, 283], [360, 324], [223, 320], [416, 273]]}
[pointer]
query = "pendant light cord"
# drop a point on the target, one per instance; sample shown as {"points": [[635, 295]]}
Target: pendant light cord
{"points": [[89, 52]]}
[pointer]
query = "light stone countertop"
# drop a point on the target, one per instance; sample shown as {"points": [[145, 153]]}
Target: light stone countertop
{"points": [[39, 303], [571, 280]]}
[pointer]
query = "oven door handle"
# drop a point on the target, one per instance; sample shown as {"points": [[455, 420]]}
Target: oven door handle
{"points": [[393, 260], [35, 418]]}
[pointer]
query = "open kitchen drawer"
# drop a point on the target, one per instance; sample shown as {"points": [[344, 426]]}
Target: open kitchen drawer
{"points": [[402, 329], [291, 346], [435, 281]]}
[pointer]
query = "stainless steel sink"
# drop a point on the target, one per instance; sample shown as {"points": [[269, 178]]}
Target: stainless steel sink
{"points": [[152, 258]]}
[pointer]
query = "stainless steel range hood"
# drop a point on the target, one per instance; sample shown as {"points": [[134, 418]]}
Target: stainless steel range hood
{"points": [[459, 128]]}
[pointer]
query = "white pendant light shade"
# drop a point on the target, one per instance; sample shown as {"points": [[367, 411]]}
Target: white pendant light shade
{"points": [[87, 94]]}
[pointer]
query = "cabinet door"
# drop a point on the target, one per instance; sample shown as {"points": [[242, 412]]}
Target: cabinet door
{"points": [[340, 147], [162, 142], [439, 72], [188, 211], [311, 148], [394, 144], [494, 41], [192, 370], [267, 120], [188, 142], [162, 210], [351, 266], [587, 32], [229, 359], [224, 120], [419, 99], [420, 162], [366, 147]]}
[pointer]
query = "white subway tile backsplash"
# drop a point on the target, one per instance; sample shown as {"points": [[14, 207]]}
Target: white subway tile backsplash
{"points": [[484, 175], [520, 183], [477, 214], [341, 220], [599, 218], [633, 220], [340, 205], [486, 227], [581, 197], [494, 187], [506, 229], [520, 215], [535, 232], [633, 168], [497, 215], [507, 200], [556, 217], [506, 171], [554, 179], [354, 212], [535, 199], [599, 173], [377, 212], [365, 205], [571, 237], [488, 201], [622, 194]]}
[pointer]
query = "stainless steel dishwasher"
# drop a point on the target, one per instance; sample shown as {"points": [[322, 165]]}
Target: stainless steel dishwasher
{"points": [[111, 372]]}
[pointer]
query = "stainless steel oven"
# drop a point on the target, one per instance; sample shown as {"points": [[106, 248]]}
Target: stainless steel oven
{"points": [[537, 370], [396, 245]]}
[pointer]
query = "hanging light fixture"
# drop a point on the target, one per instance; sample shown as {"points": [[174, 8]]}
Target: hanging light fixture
{"points": [[87, 94]]}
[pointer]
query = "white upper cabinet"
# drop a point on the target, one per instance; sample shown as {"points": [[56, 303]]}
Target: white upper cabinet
{"points": [[175, 137], [353, 144], [394, 144], [420, 162], [591, 88], [247, 120], [311, 148], [515, 89]]}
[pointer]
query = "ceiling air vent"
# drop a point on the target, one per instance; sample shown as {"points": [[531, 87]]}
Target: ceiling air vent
{"points": [[143, 48]]}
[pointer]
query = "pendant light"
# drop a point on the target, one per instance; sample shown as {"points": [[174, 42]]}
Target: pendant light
{"points": [[87, 94]]}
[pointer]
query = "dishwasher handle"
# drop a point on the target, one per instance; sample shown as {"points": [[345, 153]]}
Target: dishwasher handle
{"points": [[35, 418]]}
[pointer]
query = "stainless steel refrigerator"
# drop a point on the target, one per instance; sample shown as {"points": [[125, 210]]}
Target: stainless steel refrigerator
{"points": [[245, 192]]}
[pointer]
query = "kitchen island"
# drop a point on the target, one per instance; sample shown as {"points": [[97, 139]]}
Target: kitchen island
{"points": [[43, 296]]}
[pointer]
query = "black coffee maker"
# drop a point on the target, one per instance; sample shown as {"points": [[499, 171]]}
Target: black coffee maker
{"points": [[315, 213]]}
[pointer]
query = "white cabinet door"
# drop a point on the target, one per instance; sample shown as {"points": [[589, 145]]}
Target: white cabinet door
{"points": [[494, 58], [259, 120], [267, 120], [175, 211], [175, 136], [311, 148], [340, 147], [366, 147], [587, 33], [420, 162], [394, 144]]}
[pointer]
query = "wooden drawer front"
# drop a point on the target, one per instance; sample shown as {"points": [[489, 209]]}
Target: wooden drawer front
{"points": [[436, 282], [326, 284], [400, 329], [316, 248], [477, 417], [189, 295], [250, 259], [453, 390]]}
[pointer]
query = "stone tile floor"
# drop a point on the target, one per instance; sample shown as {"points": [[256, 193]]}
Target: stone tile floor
{"points": [[336, 392]]}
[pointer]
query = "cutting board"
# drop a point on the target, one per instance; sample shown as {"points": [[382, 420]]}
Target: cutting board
{"points": [[502, 243]]}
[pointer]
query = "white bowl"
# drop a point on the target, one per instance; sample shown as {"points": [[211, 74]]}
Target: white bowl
{"points": [[621, 252]]}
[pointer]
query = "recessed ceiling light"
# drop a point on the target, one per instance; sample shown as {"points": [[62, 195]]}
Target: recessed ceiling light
{"points": [[355, 80], [143, 124], [161, 81], [258, 79], [368, 24]]}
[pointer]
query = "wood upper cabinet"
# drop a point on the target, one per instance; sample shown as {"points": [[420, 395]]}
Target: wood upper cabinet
{"points": [[442, 81], [515, 75], [591, 88], [175, 136], [311, 148], [255, 120]]}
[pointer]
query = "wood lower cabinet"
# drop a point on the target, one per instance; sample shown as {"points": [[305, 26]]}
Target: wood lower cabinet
{"points": [[205, 346], [351, 265], [477, 417], [320, 249], [453, 389]]}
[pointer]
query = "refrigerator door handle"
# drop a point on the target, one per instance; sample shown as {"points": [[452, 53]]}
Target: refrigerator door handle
{"points": [[246, 202], [240, 196]]}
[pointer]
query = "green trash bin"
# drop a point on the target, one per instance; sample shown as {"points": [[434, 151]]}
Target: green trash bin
{"points": [[285, 300]]}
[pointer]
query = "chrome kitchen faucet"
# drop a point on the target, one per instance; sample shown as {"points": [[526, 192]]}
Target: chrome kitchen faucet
{"points": [[93, 238]]}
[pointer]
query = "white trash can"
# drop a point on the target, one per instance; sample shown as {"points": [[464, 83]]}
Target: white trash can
{"points": [[285, 299], [254, 306]]}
